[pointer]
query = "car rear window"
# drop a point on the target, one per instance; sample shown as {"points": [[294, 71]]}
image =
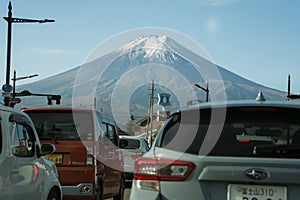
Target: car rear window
{"points": [[247, 132], [133, 144], [60, 125]]}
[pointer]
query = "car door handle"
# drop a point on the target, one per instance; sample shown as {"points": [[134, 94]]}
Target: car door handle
{"points": [[14, 171]]}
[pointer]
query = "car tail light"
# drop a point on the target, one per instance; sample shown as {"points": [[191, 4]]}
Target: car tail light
{"points": [[89, 156], [149, 171], [35, 172], [244, 141]]}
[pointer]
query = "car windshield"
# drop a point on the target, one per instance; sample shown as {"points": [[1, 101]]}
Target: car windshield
{"points": [[244, 131], [61, 126]]}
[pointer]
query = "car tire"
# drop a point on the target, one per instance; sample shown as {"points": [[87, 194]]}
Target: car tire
{"points": [[120, 196], [53, 195]]}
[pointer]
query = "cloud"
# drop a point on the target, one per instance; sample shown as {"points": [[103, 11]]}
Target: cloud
{"points": [[58, 51], [52, 51], [217, 2]]}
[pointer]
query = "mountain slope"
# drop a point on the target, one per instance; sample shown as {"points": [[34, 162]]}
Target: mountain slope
{"points": [[126, 75]]}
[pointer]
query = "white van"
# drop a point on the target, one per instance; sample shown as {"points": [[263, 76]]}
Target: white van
{"points": [[24, 172]]}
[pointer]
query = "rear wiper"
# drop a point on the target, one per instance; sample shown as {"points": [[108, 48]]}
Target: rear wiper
{"points": [[277, 149]]}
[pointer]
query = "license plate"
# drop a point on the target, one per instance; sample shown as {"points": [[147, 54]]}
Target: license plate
{"points": [[55, 158], [256, 192]]}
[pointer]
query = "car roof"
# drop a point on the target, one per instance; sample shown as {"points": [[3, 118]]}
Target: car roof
{"points": [[105, 117], [55, 108], [238, 104], [130, 137], [244, 103]]}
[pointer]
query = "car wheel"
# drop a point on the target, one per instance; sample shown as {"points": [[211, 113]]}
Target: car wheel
{"points": [[120, 196], [99, 192], [53, 195]]}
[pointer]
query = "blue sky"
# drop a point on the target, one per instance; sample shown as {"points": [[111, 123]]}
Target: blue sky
{"points": [[257, 39]]}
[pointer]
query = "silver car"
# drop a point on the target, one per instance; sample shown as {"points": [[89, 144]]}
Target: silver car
{"points": [[132, 147], [24, 172], [224, 151]]}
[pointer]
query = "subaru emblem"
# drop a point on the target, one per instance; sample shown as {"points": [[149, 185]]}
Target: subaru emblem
{"points": [[257, 174]]}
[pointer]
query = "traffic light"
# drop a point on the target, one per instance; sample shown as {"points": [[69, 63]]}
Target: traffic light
{"points": [[51, 98], [57, 98]]}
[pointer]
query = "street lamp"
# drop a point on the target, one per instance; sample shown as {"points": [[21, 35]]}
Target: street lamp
{"points": [[14, 79], [11, 20], [205, 89]]}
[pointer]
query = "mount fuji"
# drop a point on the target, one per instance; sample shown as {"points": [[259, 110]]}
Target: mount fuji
{"points": [[120, 81]]}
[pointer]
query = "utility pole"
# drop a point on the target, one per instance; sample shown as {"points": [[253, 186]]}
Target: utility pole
{"points": [[9, 23], [289, 95], [11, 20], [14, 79], [150, 114], [289, 85]]}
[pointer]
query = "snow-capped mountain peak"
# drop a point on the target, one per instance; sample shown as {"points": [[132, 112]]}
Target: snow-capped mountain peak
{"points": [[152, 47], [147, 42]]}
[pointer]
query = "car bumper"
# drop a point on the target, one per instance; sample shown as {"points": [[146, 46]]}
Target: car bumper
{"points": [[82, 189], [137, 193]]}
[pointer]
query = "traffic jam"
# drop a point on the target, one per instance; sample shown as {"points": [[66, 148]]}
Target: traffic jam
{"points": [[148, 114]]}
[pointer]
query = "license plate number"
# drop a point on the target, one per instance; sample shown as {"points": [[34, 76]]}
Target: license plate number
{"points": [[55, 158], [256, 192]]}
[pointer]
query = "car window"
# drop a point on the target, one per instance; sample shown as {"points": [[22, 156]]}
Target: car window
{"points": [[22, 140], [133, 144], [62, 126], [104, 129], [145, 145], [243, 131], [111, 133]]}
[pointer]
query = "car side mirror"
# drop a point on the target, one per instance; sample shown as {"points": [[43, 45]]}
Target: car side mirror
{"points": [[123, 143], [46, 149]]}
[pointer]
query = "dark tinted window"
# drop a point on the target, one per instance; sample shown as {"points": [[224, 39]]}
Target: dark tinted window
{"points": [[244, 130], [112, 135], [60, 125], [133, 144], [110, 132]]}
